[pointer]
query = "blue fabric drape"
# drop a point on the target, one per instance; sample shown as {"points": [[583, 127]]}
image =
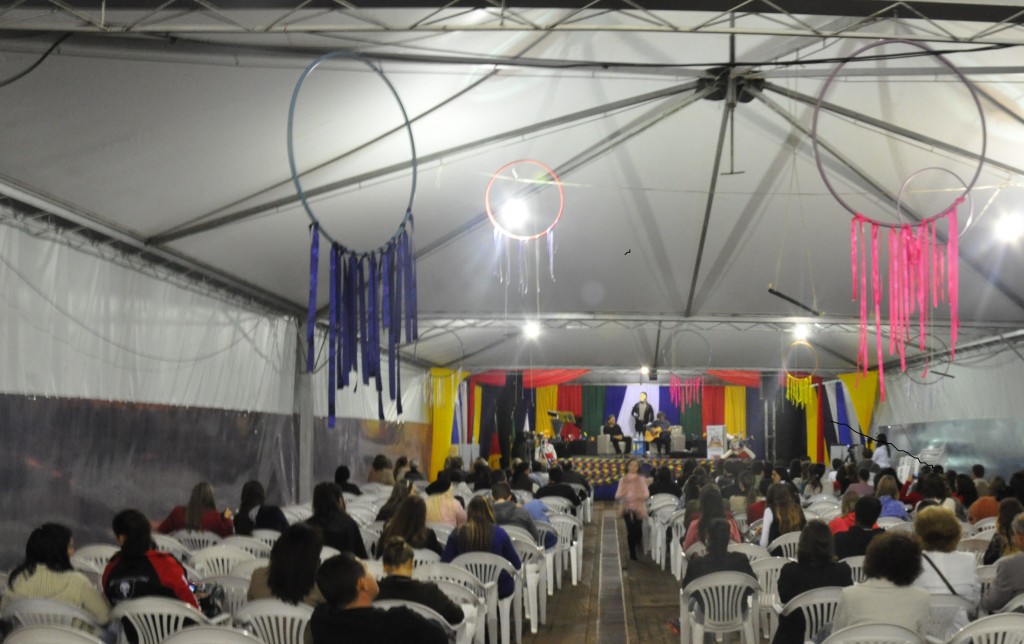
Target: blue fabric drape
{"points": [[613, 399], [671, 411], [843, 428], [755, 421], [488, 400]]}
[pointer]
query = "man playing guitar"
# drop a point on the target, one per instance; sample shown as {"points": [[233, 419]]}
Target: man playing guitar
{"points": [[657, 433]]}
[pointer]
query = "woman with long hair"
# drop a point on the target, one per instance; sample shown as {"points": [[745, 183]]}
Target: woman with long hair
{"points": [[1003, 544], [139, 569], [46, 573], [255, 514], [966, 490], [815, 567], [882, 456], [401, 467], [481, 533], [888, 492], [632, 495], [398, 494], [410, 523], [338, 529], [782, 514], [756, 501], [711, 507], [291, 575], [201, 513], [380, 471], [397, 557]]}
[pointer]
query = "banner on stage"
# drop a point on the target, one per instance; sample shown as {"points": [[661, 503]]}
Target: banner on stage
{"points": [[716, 441]]}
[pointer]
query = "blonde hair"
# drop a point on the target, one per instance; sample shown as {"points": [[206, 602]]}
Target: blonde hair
{"points": [[938, 529]]}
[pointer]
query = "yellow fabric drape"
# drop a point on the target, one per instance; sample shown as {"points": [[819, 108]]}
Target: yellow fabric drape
{"points": [[478, 403], [862, 389], [444, 388], [813, 431], [799, 390], [547, 400], [736, 411]]}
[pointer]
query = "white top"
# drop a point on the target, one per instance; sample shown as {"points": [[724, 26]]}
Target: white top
{"points": [[960, 570], [766, 526], [881, 601], [881, 456]]}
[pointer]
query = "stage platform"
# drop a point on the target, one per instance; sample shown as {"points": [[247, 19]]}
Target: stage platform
{"points": [[603, 472]]}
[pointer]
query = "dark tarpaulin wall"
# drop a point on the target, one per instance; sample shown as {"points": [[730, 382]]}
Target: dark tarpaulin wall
{"points": [[78, 462], [355, 442]]}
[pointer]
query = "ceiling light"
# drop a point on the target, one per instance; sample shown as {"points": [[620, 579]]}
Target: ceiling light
{"points": [[801, 332], [1010, 228], [514, 213], [531, 330], [645, 370]]}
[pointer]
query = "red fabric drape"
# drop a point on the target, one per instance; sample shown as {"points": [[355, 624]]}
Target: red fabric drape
{"points": [[470, 411], [533, 377], [735, 377], [713, 407], [822, 401], [570, 398]]}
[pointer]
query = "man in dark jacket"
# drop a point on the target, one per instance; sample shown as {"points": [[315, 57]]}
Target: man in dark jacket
{"points": [[854, 542], [508, 512]]}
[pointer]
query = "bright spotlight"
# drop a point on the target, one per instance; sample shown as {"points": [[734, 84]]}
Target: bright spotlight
{"points": [[801, 332], [645, 370], [531, 330], [1010, 228], [514, 213]]}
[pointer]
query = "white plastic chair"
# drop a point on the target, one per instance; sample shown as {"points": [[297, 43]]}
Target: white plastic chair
{"points": [[856, 565], [818, 607], [97, 554], [767, 570], [157, 618], [49, 612], [92, 572], [363, 516], [327, 552], [570, 536], [255, 547], [986, 575], [197, 539], [441, 531], [371, 539], [587, 505], [453, 634], [974, 545], [236, 590], [558, 504], [661, 522], [1002, 628], [752, 550], [729, 601], [424, 556], [984, 525], [677, 523], [38, 633], [787, 542], [218, 560], [906, 527], [487, 567], [297, 513], [518, 532], [944, 611], [887, 522], [523, 496], [268, 537], [376, 568], [246, 568], [211, 635], [274, 621], [474, 609], [170, 545], [823, 496], [457, 575], [874, 634], [741, 520], [1014, 605], [696, 549], [534, 568]]}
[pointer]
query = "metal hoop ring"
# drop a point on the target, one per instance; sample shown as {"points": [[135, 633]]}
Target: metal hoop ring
{"points": [[494, 220], [828, 83], [671, 345], [793, 345], [968, 196], [291, 148]]}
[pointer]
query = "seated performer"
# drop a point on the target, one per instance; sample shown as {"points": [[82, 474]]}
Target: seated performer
{"points": [[658, 435], [611, 428]]}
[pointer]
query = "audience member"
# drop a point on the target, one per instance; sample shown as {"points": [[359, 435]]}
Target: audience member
{"points": [[558, 487], [521, 479], [442, 506], [888, 492], [46, 573], [744, 486], [718, 558], [632, 494], [782, 514], [862, 487], [572, 477], [815, 567], [398, 494], [978, 476], [1009, 581], [401, 468], [255, 514], [1003, 544], [846, 518], [756, 501], [892, 563], [338, 529], [854, 542], [481, 533], [341, 477], [410, 523], [965, 490], [985, 507], [933, 488], [480, 479], [816, 481], [663, 483], [883, 454], [201, 514], [291, 574], [711, 507], [414, 473], [946, 571], [453, 465], [397, 557], [507, 510], [349, 616], [139, 569], [380, 471]]}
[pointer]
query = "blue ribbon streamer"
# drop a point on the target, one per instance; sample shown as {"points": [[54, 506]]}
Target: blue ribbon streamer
{"points": [[332, 335], [314, 262]]}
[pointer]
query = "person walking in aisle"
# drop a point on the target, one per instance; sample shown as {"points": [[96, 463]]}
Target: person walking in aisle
{"points": [[632, 495]]}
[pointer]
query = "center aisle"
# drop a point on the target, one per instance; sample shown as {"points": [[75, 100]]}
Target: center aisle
{"points": [[610, 580]]}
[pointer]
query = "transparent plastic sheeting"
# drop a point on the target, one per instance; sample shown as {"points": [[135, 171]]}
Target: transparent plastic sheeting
{"points": [[995, 443], [79, 462], [356, 442], [76, 325]]}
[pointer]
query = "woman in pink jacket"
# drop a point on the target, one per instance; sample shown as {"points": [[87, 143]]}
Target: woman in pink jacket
{"points": [[632, 496]]}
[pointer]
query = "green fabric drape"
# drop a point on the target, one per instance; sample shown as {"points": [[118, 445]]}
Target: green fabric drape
{"points": [[692, 420], [593, 409]]}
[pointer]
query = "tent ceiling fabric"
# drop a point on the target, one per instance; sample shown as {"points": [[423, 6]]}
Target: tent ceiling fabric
{"points": [[162, 125]]}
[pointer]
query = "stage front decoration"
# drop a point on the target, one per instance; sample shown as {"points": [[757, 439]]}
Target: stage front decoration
{"points": [[921, 257], [524, 201], [371, 290], [799, 384]]}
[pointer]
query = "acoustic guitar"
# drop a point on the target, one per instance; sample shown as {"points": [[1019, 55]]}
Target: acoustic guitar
{"points": [[653, 432]]}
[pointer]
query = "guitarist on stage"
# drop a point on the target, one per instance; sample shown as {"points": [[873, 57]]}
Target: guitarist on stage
{"points": [[659, 435], [643, 415]]}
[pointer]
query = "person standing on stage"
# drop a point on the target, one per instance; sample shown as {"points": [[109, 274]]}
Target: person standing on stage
{"points": [[611, 428], [643, 415]]}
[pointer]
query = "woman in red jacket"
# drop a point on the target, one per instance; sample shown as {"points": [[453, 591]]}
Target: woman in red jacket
{"points": [[200, 514]]}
